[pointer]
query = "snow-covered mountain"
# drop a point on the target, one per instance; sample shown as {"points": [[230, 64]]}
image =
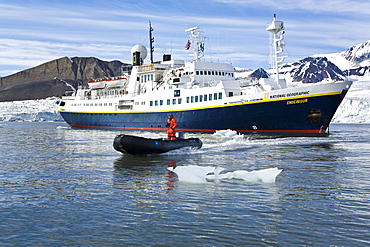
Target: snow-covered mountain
{"points": [[355, 61], [312, 70], [358, 55]]}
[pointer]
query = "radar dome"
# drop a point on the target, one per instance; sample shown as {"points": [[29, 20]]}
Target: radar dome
{"points": [[140, 48]]}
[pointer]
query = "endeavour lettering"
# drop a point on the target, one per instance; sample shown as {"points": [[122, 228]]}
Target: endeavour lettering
{"points": [[297, 101]]}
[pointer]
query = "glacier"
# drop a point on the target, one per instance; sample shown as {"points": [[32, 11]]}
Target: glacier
{"points": [[30, 111], [355, 107]]}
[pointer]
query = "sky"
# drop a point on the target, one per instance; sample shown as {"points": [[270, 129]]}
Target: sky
{"points": [[33, 32]]}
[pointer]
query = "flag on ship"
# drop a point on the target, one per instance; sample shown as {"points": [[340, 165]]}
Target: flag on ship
{"points": [[201, 47], [187, 46]]}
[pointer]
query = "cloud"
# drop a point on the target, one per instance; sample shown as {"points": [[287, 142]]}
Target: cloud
{"points": [[27, 53], [329, 6]]}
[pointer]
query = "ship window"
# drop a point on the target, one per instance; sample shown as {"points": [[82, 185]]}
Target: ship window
{"points": [[168, 101], [205, 97], [187, 100], [223, 73], [161, 102], [231, 94], [151, 103], [201, 72], [197, 72], [196, 98], [192, 99], [200, 98], [110, 104], [100, 104], [174, 101], [91, 104], [215, 96], [209, 72], [156, 103], [142, 102], [213, 73], [220, 95], [179, 101], [210, 97], [105, 104]]}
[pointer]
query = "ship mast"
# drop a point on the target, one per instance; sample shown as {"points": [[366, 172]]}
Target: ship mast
{"points": [[278, 31], [196, 38], [151, 41]]}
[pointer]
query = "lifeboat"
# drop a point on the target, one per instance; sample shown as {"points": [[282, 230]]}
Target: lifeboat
{"points": [[116, 82], [98, 84]]}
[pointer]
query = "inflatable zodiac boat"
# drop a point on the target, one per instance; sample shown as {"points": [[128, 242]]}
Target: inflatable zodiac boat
{"points": [[139, 145]]}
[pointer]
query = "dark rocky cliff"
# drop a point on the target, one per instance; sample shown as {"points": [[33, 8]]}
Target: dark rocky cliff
{"points": [[39, 82]]}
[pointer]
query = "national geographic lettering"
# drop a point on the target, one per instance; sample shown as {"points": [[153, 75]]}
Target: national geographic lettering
{"points": [[276, 96]]}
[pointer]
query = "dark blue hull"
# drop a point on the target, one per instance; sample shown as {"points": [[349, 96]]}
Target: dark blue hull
{"points": [[301, 116]]}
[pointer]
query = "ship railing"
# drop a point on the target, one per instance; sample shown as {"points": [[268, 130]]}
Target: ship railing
{"points": [[69, 93], [105, 94]]}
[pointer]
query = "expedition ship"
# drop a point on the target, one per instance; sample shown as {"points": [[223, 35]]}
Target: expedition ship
{"points": [[204, 96]]}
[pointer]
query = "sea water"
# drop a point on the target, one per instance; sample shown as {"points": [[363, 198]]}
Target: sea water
{"points": [[62, 186]]}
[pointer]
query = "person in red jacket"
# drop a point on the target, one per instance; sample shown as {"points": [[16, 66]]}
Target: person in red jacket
{"points": [[171, 127]]}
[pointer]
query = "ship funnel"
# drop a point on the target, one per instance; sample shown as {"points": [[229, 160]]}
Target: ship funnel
{"points": [[166, 57]]}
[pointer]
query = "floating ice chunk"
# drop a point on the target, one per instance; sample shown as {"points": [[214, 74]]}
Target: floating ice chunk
{"points": [[217, 176], [265, 176], [192, 173], [225, 133], [199, 174]]}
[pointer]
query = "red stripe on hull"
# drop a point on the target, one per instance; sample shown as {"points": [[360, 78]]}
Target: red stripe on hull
{"points": [[319, 132]]}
